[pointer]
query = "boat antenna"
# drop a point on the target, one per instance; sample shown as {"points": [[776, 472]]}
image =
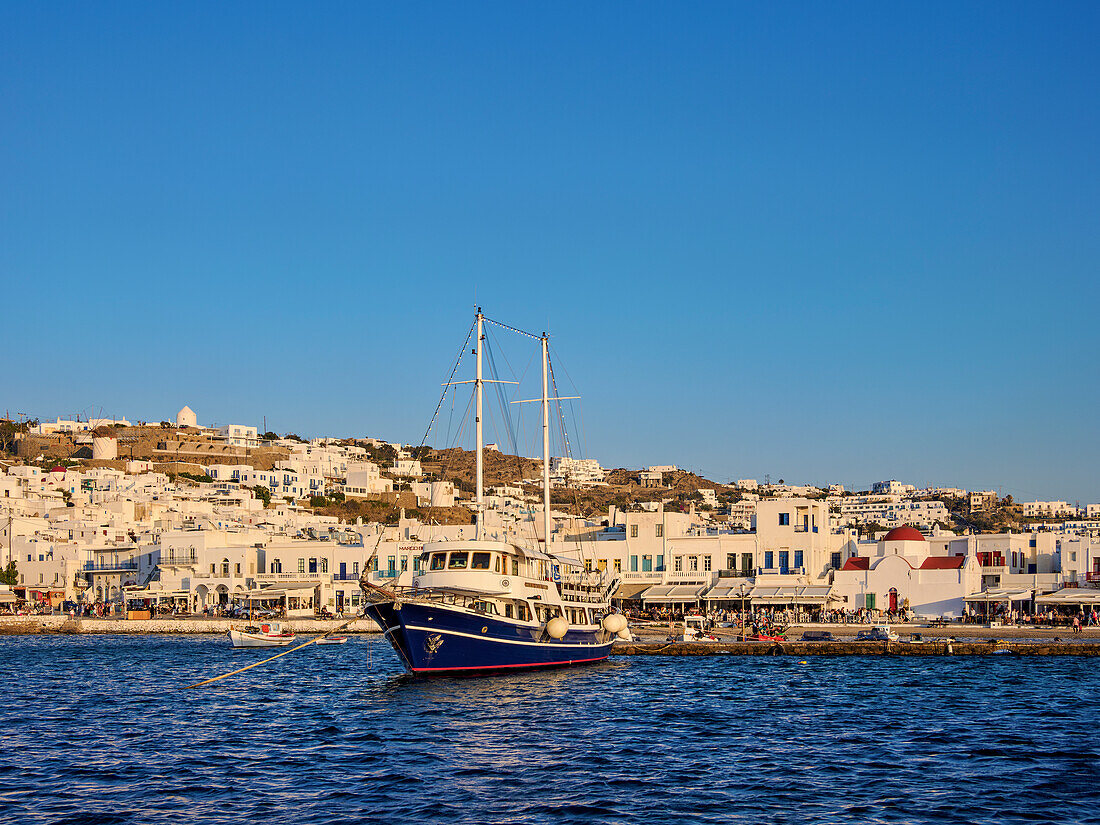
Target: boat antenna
{"points": [[545, 341], [479, 427]]}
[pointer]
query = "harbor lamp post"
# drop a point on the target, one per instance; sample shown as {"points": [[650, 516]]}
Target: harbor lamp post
{"points": [[741, 587]]}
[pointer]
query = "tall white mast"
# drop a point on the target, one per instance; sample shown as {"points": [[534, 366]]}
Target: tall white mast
{"points": [[477, 421], [545, 442]]}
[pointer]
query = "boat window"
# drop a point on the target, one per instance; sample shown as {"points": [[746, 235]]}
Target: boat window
{"points": [[439, 561], [515, 566], [523, 612], [508, 610], [547, 612], [496, 564], [480, 561], [459, 560]]}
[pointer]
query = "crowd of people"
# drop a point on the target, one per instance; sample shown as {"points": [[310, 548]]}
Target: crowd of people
{"points": [[769, 615], [782, 616]]}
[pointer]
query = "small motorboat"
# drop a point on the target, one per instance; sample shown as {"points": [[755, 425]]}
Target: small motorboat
{"points": [[695, 631], [266, 635], [333, 640]]}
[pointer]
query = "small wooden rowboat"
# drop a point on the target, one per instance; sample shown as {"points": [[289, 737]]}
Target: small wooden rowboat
{"points": [[266, 635]]}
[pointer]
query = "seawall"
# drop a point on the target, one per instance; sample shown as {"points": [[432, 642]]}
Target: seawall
{"points": [[27, 625], [938, 647]]}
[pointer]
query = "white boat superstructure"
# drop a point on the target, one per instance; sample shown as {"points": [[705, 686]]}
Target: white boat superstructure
{"points": [[695, 631]]}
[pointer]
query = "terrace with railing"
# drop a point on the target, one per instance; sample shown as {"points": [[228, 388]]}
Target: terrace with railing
{"points": [[108, 567]]}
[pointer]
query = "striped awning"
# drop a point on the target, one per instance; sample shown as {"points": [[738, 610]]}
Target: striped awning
{"points": [[1070, 596], [673, 593], [724, 591], [792, 594], [1000, 594]]}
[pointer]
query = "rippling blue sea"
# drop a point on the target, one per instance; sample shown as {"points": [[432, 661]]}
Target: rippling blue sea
{"points": [[97, 730]]}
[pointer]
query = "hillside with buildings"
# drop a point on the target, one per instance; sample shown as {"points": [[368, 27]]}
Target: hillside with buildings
{"points": [[106, 512]]}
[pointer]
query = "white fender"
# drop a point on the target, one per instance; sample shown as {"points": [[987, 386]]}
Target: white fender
{"points": [[614, 622]]}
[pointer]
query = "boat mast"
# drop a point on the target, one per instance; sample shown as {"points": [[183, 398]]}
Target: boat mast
{"points": [[545, 442], [477, 422]]}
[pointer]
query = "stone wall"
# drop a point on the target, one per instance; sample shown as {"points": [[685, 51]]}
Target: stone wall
{"points": [[23, 625]]}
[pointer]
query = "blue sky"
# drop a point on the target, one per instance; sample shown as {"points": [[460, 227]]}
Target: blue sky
{"points": [[829, 242]]}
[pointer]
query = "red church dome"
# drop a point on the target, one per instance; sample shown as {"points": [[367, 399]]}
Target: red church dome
{"points": [[904, 533]]}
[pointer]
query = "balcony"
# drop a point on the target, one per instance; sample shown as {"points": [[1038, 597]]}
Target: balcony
{"points": [[1092, 577], [108, 567], [734, 574], [315, 578]]}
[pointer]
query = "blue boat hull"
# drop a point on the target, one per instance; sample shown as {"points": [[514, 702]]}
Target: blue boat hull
{"points": [[432, 640]]}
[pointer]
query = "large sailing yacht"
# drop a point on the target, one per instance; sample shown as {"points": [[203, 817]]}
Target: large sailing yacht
{"points": [[485, 606]]}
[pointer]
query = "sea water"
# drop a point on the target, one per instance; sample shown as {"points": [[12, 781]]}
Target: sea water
{"points": [[99, 729]]}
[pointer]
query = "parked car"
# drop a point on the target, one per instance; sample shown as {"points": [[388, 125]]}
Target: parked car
{"points": [[817, 636]]}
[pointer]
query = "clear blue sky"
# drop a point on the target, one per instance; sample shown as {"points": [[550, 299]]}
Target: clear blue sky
{"points": [[824, 241]]}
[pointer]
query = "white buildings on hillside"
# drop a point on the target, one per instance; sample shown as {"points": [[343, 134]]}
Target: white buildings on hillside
{"points": [[892, 487], [434, 493], [364, 478], [98, 534], [66, 425], [407, 468], [239, 435], [566, 470], [742, 513], [983, 500], [889, 511], [1048, 509]]}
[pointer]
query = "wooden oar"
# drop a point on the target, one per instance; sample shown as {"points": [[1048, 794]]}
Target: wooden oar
{"points": [[270, 658]]}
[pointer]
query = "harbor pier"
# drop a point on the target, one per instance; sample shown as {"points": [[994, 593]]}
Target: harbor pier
{"points": [[931, 647]]}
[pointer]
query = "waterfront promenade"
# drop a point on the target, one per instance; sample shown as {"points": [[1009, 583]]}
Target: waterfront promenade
{"points": [[29, 625], [649, 639]]}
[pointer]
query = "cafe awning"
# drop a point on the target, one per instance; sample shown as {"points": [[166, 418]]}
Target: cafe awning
{"points": [[724, 591], [276, 592], [673, 593], [150, 593], [792, 594], [1000, 594], [1070, 596], [629, 591]]}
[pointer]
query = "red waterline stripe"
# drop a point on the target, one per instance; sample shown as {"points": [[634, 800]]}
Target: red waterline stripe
{"points": [[498, 667]]}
